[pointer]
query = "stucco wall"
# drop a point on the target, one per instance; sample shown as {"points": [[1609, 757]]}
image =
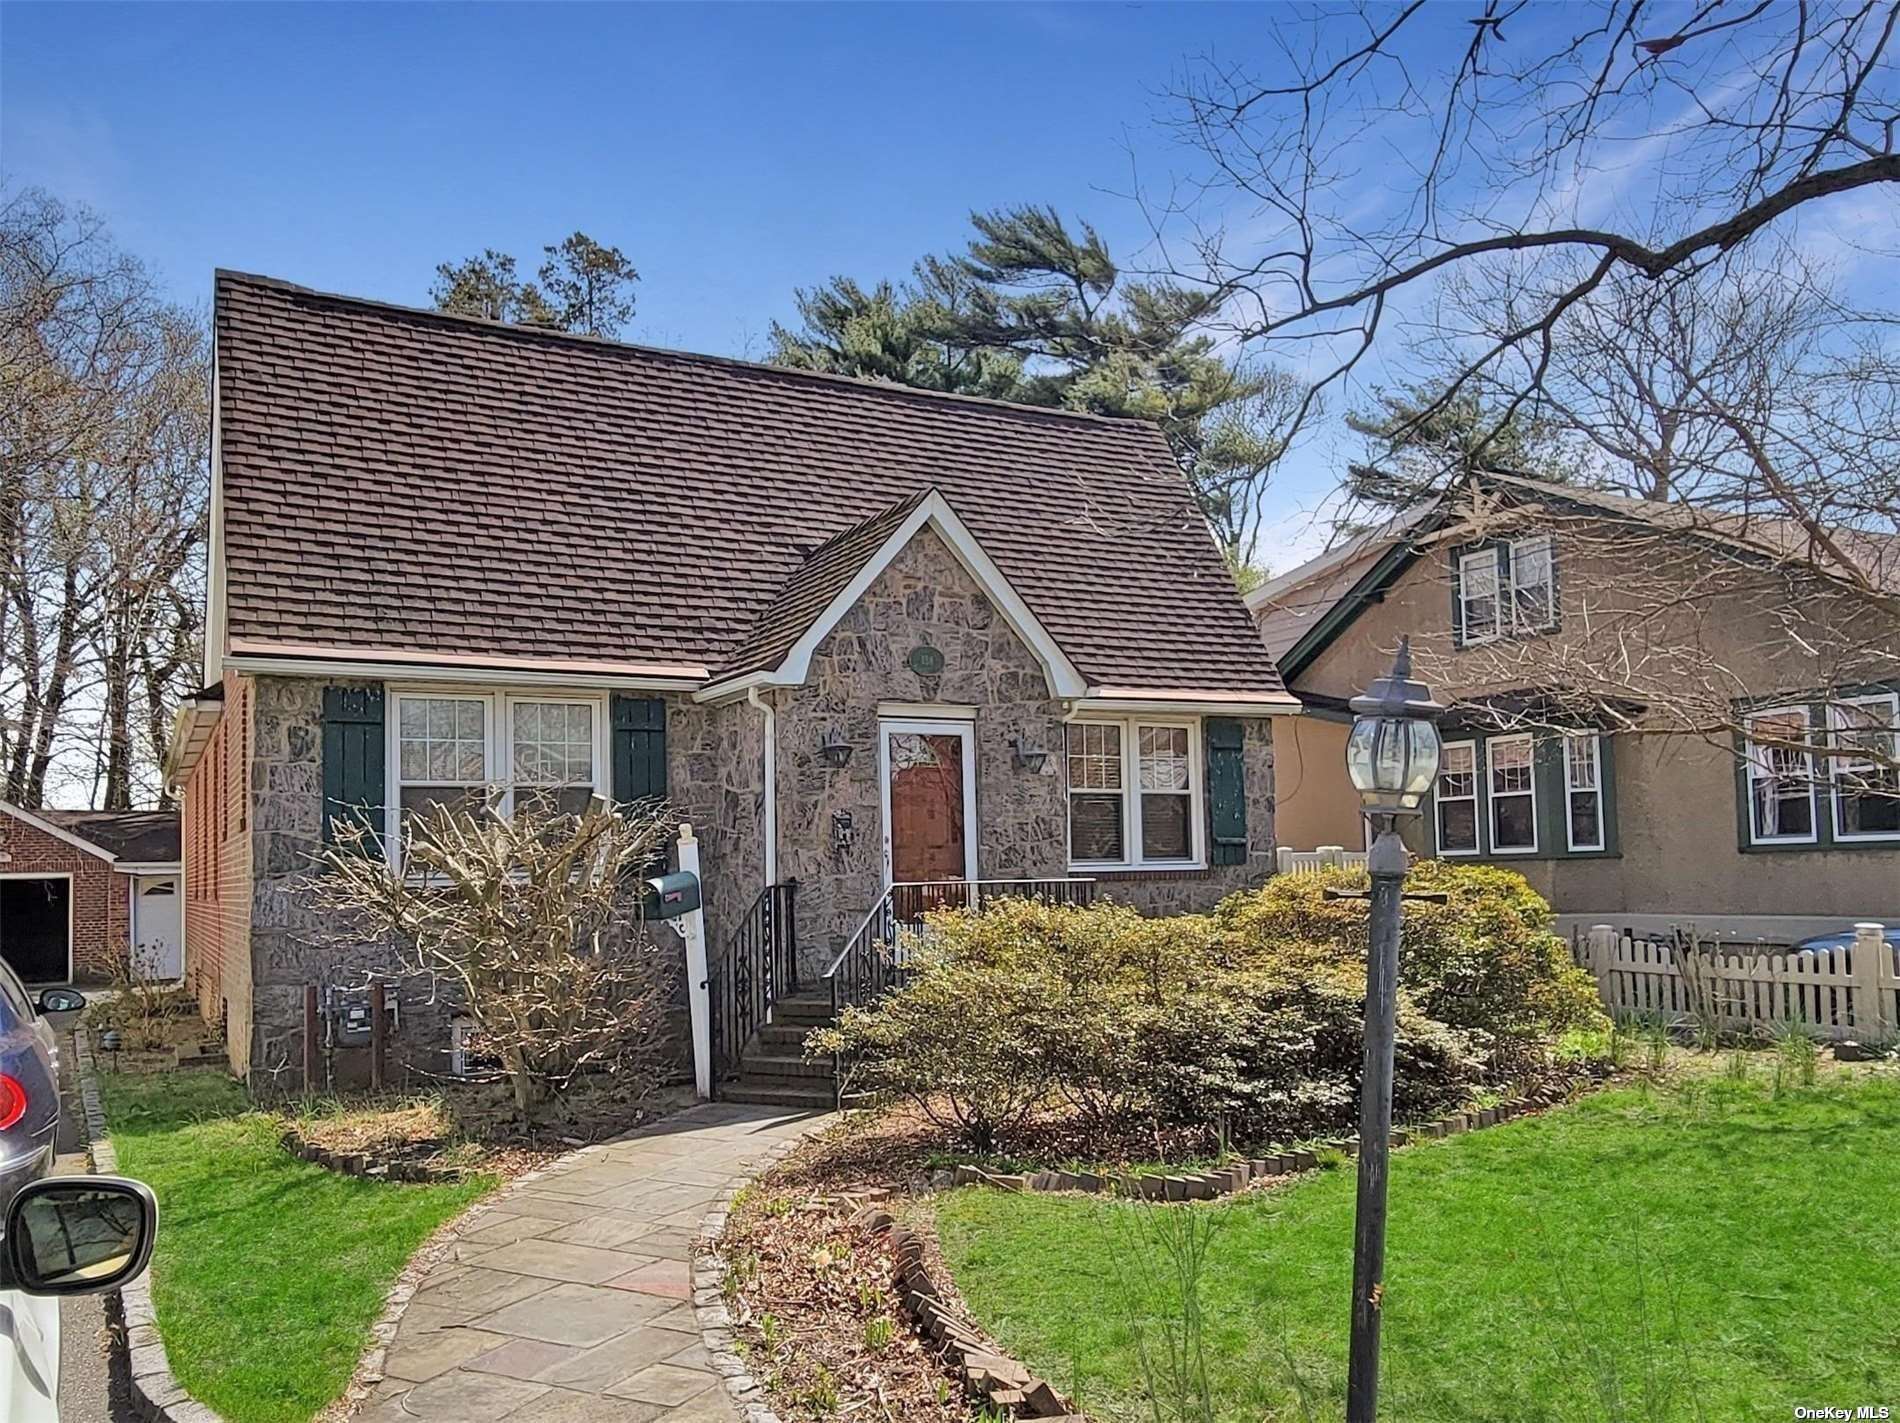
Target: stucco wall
{"points": [[1676, 797], [1315, 803]]}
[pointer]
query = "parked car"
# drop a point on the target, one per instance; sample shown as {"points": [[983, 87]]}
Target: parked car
{"points": [[1845, 940], [63, 1235]]}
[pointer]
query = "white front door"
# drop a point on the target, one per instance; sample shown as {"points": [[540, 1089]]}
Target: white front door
{"points": [[158, 940]]}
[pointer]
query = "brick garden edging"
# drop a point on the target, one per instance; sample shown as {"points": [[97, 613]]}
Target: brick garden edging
{"points": [[1228, 1180], [157, 1396], [362, 1163]]}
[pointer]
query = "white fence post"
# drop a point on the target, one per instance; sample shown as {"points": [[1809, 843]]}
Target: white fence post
{"points": [[698, 995], [1603, 961], [1331, 855], [1873, 987], [1284, 854]]}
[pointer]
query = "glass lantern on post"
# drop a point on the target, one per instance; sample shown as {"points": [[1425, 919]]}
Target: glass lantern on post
{"points": [[1392, 758]]}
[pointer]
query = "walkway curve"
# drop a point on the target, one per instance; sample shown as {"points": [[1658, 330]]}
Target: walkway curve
{"points": [[568, 1299]]}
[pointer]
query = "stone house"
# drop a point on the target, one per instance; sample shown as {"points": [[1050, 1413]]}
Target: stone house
{"points": [[1657, 716], [81, 889], [859, 636]]}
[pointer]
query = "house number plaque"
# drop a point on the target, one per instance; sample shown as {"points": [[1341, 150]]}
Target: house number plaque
{"points": [[925, 661]]}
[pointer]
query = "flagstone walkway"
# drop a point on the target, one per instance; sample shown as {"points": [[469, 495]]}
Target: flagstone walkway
{"points": [[569, 1299]]}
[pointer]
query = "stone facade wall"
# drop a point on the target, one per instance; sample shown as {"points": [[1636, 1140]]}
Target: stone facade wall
{"points": [[101, 902], [926, 597], [715, 774]]}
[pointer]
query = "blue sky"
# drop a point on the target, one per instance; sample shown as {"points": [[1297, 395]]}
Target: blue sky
{"points": [[734, 152]]}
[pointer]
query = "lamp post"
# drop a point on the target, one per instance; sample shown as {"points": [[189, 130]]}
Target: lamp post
{"points": [[1392, 758]]}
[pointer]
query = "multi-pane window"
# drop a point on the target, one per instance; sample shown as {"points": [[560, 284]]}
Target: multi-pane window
{"points": [[552, 755], [1097, 794], [1513, 794], [1144, 815], [441, 754], [1167, 794], [1533, 590], [1866, 765], [1456, 798], [1478, 596], [1780, 776], [1583, 791]]}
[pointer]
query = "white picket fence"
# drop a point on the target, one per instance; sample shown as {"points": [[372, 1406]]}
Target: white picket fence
{"points": [[1851, 992], [1326, 857]]}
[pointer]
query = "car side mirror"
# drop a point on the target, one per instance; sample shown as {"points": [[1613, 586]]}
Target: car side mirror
{"points": [[61, 1000], [79, 1235]]}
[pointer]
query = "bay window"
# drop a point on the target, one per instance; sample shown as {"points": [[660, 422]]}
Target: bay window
{"points": [[1513, 794], [1866, 767], [1144, 814], [1780, 776]]}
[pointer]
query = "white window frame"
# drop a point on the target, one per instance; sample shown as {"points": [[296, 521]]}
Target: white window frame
{"points": [[499, 703], [1492, 797], [1466, 562], [1750, 765], [1541, 542], [1477, 818], [1891, 702], [1573, 790], [1131, 794]]}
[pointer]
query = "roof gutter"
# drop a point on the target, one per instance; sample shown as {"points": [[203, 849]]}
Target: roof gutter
{"points": [[192, 725], [286, 660]]}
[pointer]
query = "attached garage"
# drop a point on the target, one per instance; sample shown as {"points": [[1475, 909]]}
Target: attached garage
{"points": [[78, 888]]}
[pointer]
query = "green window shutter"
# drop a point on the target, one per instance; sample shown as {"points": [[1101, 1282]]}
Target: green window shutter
{"points": [[353, 751], [1226, 790], [639, 748]]}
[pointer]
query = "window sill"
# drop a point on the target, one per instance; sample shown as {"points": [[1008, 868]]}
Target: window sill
{"points": [[1809, 847]]}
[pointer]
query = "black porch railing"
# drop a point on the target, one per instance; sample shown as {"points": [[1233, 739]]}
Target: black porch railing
{"points": [[757, 969], [873, 961]]}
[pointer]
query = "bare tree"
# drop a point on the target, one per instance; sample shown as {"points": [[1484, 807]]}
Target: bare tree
{"points": [[104, 426], [533, 921], [1372, 160]]}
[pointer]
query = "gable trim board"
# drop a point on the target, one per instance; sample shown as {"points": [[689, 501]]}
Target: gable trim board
{"points": [[933, 512]]}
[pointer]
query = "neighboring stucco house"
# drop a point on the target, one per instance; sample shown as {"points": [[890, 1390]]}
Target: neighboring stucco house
{"points": [[1617, 807], [79, 889], [855, 633]]}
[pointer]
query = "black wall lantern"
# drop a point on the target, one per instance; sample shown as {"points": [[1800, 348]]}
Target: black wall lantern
{"points": [[834, 748], [1030, 755]]}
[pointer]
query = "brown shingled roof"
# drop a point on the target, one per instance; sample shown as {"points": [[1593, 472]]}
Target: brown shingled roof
{"points": [[138, 836], [398, 480]]}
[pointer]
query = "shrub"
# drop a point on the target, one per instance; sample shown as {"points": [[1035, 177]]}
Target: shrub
{"points": [[1485, 960], [1125, 1018]]}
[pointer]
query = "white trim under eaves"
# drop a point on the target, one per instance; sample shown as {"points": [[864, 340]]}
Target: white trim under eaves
{"points": [[1115, 699], [518, 673], [7, 807], [933, 511], [150, 867]]}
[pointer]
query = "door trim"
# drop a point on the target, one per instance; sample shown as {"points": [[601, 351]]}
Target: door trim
{"points": [[963, 730], [72, 917]]}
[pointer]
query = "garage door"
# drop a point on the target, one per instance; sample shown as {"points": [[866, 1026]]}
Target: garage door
{"points": [[36, 925]]}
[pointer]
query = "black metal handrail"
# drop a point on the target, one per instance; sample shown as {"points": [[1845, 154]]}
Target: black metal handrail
{"points": [[758, 968]]}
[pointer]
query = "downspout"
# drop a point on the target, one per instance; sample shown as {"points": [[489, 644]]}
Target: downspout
{"points": [[771, 785]]}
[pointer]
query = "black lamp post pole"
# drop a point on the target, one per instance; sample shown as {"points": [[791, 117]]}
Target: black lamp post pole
{"points": [[1386, 864]]}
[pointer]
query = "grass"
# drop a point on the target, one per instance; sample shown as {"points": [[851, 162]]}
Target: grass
{"points": [[269, 1270], [1706, 1249]]}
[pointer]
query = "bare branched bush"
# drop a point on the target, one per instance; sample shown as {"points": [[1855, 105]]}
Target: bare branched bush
{"points": [[534, 921]]}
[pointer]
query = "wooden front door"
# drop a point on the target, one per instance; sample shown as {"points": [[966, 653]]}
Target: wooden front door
{"points": [[928, 789]]}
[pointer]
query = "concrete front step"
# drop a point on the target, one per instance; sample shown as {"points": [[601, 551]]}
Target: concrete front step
{"points": [[816, 1095], [784, 1037], [783, 1064], [801, 1012]]}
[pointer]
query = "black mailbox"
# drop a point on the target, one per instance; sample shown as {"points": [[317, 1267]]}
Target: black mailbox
{"points": [[669, 896]]}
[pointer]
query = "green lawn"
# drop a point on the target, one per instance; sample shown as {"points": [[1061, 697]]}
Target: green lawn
{"points": [[1712, 1250], [268, 1271]]}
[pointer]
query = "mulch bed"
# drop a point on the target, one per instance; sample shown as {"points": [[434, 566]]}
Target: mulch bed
{"points": [[813, 1304]]}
